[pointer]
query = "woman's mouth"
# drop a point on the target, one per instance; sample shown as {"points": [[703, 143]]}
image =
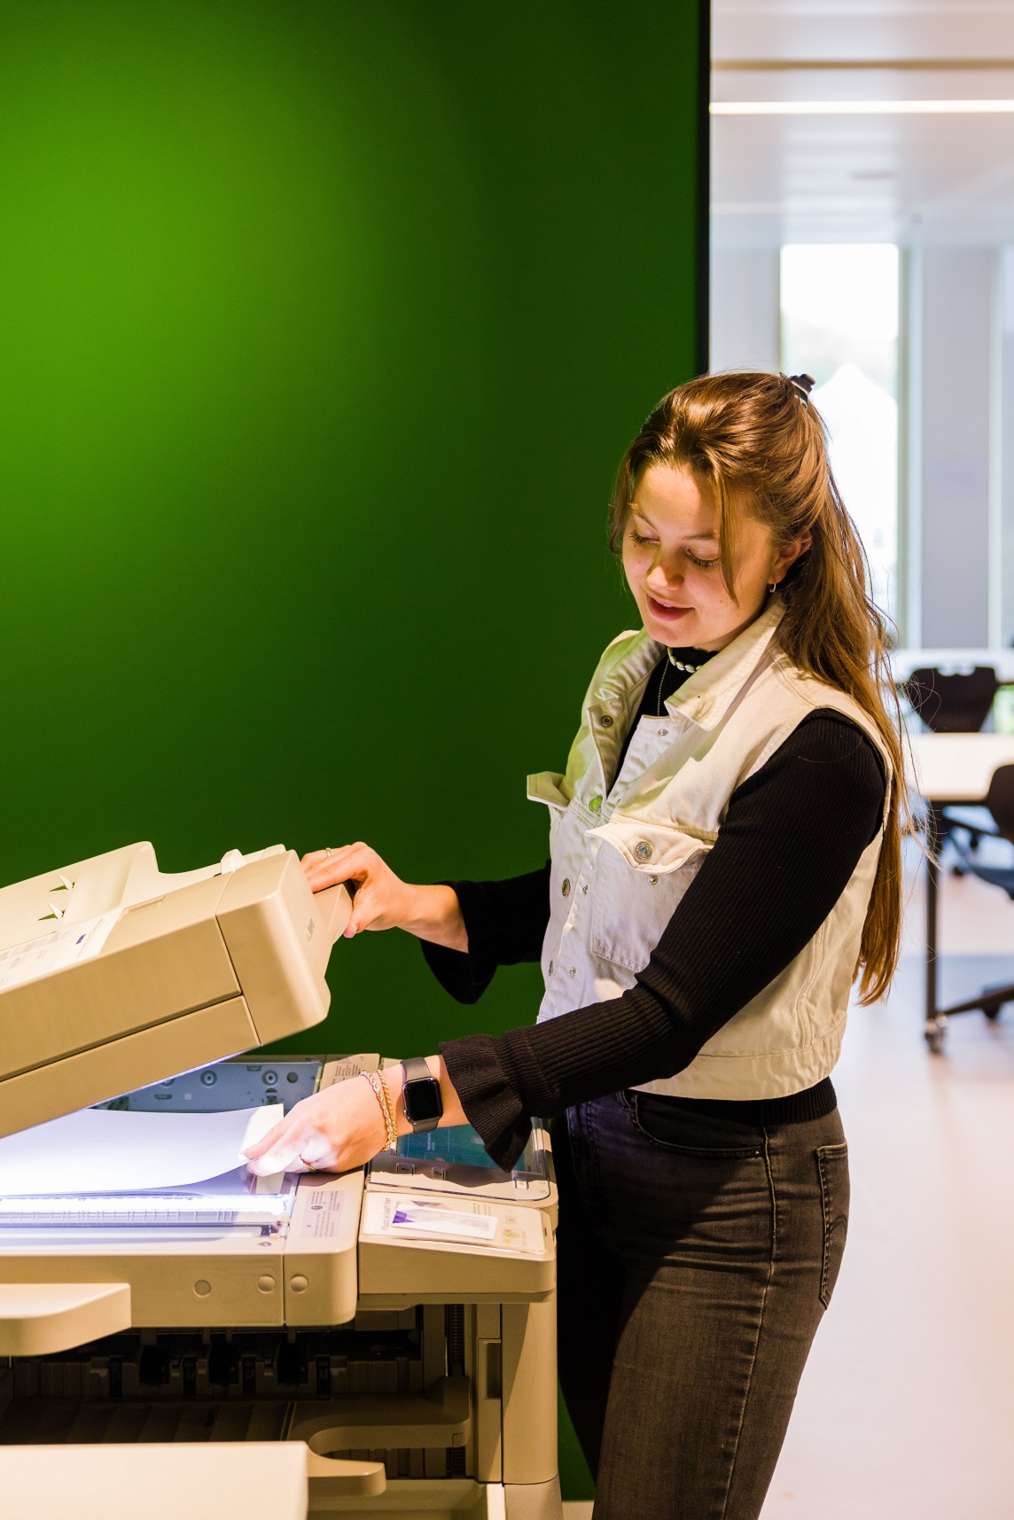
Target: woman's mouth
{"points": [[665, 610]]}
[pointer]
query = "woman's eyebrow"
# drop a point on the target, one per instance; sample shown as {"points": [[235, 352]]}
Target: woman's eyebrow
{"points": [[690, 537]]}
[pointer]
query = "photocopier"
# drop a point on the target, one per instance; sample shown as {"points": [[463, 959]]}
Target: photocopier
{"points": [[380, 1342]]}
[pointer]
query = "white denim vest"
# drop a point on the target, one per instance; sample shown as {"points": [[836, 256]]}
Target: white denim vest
{"points": [[625, 849]]}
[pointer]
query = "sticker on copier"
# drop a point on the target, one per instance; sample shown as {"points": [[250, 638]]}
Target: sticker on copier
{"points": [[423, 1217], [66, 946]]}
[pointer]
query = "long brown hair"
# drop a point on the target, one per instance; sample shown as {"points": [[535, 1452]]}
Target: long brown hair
{"points": [[755, 444]]}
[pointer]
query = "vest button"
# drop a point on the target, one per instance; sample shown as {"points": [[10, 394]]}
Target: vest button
{"points": [[565, 888], [572, 971], [653, 880], [595, 803], [643, 850], [605, 720]]}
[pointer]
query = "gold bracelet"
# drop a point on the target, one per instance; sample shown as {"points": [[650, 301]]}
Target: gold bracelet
{"points": [[382, 1096]]}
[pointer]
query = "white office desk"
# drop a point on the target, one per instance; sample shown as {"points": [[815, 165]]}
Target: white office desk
{"points": [[950, 770], [957, 768]]}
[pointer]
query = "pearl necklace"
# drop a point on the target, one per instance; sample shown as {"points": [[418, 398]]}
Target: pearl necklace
{"points": [[682, 664]]}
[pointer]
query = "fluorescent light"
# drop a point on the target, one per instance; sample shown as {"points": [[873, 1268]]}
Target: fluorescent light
{"points": [[861, 107]]}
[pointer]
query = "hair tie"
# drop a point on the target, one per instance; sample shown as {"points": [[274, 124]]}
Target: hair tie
{"points": [[802, 384]]}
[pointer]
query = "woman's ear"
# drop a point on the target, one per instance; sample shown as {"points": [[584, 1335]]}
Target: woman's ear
{"points": [[796, 548]]}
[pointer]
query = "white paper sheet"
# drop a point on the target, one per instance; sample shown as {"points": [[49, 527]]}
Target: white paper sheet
{"points": [[100, 1150]]}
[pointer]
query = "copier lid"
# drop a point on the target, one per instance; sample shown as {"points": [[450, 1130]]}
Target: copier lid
{"points": [[114, 975]]}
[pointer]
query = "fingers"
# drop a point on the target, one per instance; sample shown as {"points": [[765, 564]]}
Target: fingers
{"points": [[352, 862], [291, 1148], [364, 911], [317, 1150], [283, 1159], [267, 1140], [368, 878], [278, 1147], [313, 857]]}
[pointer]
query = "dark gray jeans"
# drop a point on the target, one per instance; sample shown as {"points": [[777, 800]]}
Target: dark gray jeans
{"points": [[696, 1258]]}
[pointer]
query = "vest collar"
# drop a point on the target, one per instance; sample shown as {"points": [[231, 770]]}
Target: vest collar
{"points": [[705, 697]]}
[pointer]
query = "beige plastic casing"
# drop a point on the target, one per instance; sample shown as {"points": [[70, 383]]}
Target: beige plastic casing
{"points": [[319, 1270], [189, 974], [260, 1480]]}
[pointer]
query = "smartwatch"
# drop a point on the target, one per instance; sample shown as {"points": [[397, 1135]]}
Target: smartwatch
{"points": [[421, 1095]]}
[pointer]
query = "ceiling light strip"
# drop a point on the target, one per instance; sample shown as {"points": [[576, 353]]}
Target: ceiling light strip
{"points": [[862, 107], [861, 65]]}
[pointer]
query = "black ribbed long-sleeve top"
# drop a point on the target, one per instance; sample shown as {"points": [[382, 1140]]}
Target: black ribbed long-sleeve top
{"points": [[791, 838]]}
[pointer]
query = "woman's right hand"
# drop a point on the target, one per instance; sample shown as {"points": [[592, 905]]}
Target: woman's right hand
{"points": [[380, 899]]}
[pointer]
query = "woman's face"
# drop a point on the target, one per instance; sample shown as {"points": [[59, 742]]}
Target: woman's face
{"points": [[671, 560]]}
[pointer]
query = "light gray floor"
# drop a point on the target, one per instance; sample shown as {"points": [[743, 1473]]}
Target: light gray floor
{"points": [[906, 1408]]}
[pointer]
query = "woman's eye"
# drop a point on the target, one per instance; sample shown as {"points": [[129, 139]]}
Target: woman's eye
{"points": [[705, 564]]}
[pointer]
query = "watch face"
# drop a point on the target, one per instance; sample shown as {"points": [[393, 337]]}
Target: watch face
{"points": [[422, 1100]]}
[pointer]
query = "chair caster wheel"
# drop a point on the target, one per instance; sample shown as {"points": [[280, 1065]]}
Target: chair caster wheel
{"points": [[934, 1034]]}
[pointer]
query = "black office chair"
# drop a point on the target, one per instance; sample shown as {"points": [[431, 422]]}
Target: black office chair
{"points": [[958, 703], [1000, 802], [952, 704]]}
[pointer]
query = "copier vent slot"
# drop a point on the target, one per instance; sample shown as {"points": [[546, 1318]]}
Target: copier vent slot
{"points": [[232, 1385]]}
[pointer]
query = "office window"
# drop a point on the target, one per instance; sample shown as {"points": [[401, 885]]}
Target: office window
{"points": [[839, 323], [1003, 463]]}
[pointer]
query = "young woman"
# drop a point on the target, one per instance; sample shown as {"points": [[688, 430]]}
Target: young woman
{"points": [[725, 861]]}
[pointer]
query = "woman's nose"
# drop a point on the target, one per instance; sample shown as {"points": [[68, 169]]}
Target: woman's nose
{"points": [[662, 577]]}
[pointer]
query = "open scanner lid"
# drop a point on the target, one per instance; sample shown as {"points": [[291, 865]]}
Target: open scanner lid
{"points": [[114, 975]]}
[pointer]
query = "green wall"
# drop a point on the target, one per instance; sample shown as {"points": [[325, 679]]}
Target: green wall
{"points": [[324, 327]]}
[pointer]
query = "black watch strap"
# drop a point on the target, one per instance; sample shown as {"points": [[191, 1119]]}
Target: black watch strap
{"points": [[421, 1095]]}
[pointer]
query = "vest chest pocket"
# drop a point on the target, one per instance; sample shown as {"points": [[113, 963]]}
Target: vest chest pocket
{"points": [[548, 787], [641, 872]]}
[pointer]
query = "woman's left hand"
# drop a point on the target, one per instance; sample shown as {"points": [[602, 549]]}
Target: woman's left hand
{"points": [[335, 1130]]}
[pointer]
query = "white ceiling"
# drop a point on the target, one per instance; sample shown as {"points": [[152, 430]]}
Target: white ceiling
{"points": [[909, 179]]}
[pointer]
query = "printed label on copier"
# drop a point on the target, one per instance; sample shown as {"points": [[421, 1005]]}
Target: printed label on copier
{"points": [[66, 946], [423, 1217], [323, 1215]]}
